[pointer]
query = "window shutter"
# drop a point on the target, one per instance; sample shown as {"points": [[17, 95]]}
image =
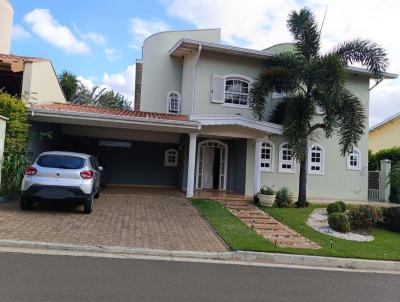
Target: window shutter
{"points": [[218, 89]]}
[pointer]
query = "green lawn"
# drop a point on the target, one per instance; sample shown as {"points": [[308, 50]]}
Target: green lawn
{"points": [[238, 236]]}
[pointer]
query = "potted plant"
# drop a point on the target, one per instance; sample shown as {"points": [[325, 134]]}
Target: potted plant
{"points": [[266, 196]]}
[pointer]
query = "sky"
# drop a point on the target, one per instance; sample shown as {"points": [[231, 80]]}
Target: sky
{"points": [[100, 43]]}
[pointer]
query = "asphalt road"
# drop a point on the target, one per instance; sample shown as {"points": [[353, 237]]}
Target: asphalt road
{"points": [[64, 278]]}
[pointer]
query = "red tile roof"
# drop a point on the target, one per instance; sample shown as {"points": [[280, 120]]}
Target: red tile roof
{"points": [[16, 59], [68, 107], [17, 62]]}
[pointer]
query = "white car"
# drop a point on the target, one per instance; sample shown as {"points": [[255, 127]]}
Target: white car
{"points": [[62, 176]]}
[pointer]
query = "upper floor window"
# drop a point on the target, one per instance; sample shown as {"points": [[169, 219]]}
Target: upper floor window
{"points": [[316, 157], [174, 102], [286, 159], [237, 91], [354, 160], [267, 155], [171, 158]]}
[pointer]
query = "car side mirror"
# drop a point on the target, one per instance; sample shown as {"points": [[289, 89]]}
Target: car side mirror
{"points": [[101, 169]]}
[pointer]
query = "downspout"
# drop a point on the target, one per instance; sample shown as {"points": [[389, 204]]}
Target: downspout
{"points": [[196, 63]]}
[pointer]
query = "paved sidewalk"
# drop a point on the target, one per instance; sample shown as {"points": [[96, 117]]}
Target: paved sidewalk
{"points": [[268, 227], [152, 222]]}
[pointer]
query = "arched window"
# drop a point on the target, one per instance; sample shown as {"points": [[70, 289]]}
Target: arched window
{"points": [[174, 102], [237, 91], [316, 160], [354, 160], [267, 156], [286, 159], [171, 158]]}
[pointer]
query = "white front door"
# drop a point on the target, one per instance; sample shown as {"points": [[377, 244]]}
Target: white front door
{"points": [[208, 166]]}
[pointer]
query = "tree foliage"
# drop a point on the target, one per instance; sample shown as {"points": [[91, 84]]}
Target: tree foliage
{"points": [[311, 80], [16, 142], [77, 93]]}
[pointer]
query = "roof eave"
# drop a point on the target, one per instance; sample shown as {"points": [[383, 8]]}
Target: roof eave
{"points": [[188, 125]]}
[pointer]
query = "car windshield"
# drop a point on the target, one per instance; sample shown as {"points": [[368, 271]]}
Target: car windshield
{"points": [[61, 161]]}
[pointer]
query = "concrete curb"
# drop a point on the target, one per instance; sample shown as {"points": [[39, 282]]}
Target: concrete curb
{"points": [[252, 258]]}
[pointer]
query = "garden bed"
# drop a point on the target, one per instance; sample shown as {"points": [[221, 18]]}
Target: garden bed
{"points": [[238, 236]]}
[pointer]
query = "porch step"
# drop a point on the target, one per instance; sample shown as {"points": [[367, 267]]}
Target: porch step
{"points": [[268, 227]]}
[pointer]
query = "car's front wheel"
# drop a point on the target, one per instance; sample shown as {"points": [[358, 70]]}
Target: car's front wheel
{"points": [[26, 204], [88, 205]]}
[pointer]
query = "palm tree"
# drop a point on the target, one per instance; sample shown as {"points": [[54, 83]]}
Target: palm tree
{"points": [[77, 93], [313, 80], [69, 84]]}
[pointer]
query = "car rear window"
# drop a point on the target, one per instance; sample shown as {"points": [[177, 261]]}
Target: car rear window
{"points": [[61, 161]]}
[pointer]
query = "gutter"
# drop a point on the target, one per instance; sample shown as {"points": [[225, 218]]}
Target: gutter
{"points": [[190, 125]]}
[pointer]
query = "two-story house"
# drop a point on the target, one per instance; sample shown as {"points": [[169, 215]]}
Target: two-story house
{"points": [[192, 128]]}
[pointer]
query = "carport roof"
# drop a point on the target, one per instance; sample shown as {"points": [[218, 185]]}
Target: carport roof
{"points": [[66, 107]]}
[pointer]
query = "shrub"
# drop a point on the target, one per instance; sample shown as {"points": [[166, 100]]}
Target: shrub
{"points": [[266, 191], [342, 206], [365, 217], [333, 208], [283, 198], [16, 142], [392, 218], [336, 207], [339, 222]]}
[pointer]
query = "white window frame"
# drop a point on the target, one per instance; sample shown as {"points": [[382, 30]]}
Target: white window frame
{"points": [[348, 160], [169, 97], [272, 156], [283, 162], [240, 78], [167, 162], [321, 164]]}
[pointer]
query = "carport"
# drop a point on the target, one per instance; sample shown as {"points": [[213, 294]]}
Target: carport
{"points": [[131, 148]]}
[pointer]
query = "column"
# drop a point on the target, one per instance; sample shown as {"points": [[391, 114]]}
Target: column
{"points": [[384, 184], [257, 165], [191, 165]]}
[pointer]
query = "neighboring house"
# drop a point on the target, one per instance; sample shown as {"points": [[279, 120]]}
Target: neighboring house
{"points": [[385, 135], [192, 128]]}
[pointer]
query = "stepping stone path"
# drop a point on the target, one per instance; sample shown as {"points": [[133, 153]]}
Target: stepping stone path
{"points": [[268, 227]]}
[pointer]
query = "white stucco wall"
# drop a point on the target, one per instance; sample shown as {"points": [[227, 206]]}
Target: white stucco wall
{"points": [[40, 82], [163, 73], [337, 182]]}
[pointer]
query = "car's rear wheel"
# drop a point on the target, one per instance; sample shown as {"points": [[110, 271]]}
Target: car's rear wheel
{"points": [[97, 194], [26, 204], [88, 205]]}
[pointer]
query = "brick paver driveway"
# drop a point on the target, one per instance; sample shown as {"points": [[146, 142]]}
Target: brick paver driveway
{"points": [[157, 222]]}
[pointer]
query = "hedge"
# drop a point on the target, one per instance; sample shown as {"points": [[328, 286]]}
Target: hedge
{"points": [[374, 164], [16, 141]]}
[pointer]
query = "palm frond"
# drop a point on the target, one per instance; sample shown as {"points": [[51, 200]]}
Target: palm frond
{"points": [[351, 121], [298, 113], [365, 52], [394, 177], [281, 74], [304, 28]]}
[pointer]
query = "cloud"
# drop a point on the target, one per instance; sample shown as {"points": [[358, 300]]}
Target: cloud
{"points": [[112, 55], [94, 37], [141, 29], [261, 23], [47, 28], [122, 82], [20, 33]]}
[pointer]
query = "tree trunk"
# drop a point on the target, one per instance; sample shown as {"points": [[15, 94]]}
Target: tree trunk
{"points": [[302, 199]]}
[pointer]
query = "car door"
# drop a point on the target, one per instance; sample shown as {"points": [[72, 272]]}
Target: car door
{"points": [[97, 174]]}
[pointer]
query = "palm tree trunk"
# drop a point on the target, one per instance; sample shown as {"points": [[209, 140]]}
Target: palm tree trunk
{"points": [[302, 198]]}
